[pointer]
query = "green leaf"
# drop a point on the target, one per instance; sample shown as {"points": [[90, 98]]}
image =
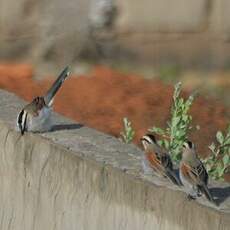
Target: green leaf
{"points": [[220, 137], [228, 129], [226, 160], [185, 117], [166, 144], [177, 90], [212, 147], [157, 130], [160, 142], [175, 121], [128, 133], [208, 167], [179, 124]]}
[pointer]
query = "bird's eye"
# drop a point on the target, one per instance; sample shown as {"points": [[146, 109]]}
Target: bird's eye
{"points": [[152, 138], [190, 144], [185, 145], [36, 100]]}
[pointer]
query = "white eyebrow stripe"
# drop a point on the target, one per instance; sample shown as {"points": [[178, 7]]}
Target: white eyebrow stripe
{"points": [[24, 119], [185, 145], [148, 139]]}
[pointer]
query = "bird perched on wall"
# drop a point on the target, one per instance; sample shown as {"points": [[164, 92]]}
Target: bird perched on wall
{"points": [[35, 116], [193, 174], [158, 158]]}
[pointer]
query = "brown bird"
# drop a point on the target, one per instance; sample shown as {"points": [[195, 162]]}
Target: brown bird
{"points": [[193, 174], [158, 158]]}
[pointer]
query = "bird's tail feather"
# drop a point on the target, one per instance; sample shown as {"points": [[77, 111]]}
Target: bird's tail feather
{"points": [[204, 189], [56, 85], [173, 177]]}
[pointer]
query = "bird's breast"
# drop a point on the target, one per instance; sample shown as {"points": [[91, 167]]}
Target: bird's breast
{"points": [[184, 169]]}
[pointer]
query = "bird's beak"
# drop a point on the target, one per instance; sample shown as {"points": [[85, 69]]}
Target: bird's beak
{"points": [[22, 130]]}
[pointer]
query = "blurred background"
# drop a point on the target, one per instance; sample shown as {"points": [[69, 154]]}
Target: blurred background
{"points": [[125, 56]]}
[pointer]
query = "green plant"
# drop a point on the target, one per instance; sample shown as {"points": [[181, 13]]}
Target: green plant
{"points": [[218, 162], [128, 133], [177, 128]]}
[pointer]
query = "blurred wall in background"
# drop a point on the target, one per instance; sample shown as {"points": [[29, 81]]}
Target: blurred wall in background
{"points": [[190, 33]]}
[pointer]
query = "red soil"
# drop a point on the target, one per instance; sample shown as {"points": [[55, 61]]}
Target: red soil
{"points": [[101, 100]]}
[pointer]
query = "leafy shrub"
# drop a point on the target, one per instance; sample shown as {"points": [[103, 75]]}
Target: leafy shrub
{"points": [[176, 133], [177, 129], [128, 133], [218, 162]]}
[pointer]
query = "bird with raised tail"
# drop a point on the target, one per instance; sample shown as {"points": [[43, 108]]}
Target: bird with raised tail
{"points": [[35, 116], [193, 174], [158, 158]]}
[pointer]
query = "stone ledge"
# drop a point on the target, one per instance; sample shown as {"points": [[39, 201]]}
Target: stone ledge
{"points": [[76, 176]]}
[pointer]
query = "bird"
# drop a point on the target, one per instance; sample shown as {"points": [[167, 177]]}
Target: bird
{"points": [[158, 158], [35, 116], [193, 174]]}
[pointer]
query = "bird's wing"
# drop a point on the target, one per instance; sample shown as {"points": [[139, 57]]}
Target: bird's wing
{"points": [[190, 173], [173, 177], [203, 174], [155, 161], [166, 161], [204, 189]]}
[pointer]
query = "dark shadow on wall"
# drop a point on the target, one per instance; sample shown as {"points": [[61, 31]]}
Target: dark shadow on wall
{"points": [[65, 127], [220, 194]]}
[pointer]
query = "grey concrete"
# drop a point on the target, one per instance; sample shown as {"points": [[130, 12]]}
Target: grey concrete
{"points": [[49, 31], [182, 32], [162, 16], [40, 31], [220, 19], [78, 178]]}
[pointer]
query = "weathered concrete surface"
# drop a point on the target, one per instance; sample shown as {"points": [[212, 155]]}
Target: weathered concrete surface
{"points": [[220, 18], [77, 178], [191, 33], [48, 30], [162, 16]]}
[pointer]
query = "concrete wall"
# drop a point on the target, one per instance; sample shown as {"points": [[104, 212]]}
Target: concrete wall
{"points": [[77, 178], [193, 33], [43, 30], [190, 33], [163, 16]]}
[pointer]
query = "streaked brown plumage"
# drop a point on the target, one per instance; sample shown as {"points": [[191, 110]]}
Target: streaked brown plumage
{"points": [[193, 174], [158, 158]]}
